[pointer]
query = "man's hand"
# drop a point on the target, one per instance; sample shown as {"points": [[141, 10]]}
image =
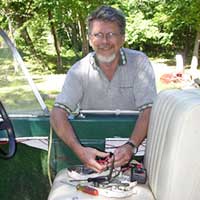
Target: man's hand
{"points": [[88, 156], [123, 154]]}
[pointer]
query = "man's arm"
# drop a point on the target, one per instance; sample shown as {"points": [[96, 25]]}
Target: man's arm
{"points": [[64, 130], [124, 153], [141, 127]]}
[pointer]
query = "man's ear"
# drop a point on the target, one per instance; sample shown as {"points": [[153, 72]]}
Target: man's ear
{"points": [[122, 40], [90, 42]]}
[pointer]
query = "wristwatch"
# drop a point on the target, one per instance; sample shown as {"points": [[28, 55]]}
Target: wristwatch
{"points": [[134, 148]]}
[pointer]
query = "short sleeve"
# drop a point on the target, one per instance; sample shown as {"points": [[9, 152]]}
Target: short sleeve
{"points": [[144, 83], [72, 91]]}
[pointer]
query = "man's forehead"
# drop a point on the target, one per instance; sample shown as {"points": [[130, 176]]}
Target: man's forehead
{"points": [[100, 24]]}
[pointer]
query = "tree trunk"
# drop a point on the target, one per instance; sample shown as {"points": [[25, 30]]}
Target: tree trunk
{"points": [[25, 35], [56, 42], [73, 34], [194, 63], [85, 47], [75, 38]]}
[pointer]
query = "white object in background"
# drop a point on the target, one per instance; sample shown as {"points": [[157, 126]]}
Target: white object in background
{"points": [[179, 63]]}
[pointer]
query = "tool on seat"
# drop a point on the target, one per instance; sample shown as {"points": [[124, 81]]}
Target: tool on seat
{"points": [[87, 189]]}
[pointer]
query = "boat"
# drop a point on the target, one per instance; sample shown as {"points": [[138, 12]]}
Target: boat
{"points": [[34, 161]]}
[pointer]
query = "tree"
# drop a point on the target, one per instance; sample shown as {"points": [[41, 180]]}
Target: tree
{"points": [[186, 14], [195, 56], [156, 27]]}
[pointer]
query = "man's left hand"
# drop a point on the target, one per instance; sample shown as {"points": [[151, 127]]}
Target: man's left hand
{"points": [[123, 155]]}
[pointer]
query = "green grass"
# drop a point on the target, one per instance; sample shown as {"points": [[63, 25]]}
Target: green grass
{"points": [[24, 177]]}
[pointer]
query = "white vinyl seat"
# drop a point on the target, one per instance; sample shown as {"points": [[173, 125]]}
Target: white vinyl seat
{"points": [[172, 155], [63, 191], [171, 158]]}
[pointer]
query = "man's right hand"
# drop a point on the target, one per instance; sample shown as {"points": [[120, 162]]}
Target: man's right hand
{"points": [[88, 156]]}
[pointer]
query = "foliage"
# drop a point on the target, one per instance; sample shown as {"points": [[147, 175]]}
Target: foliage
{"points": [[46, 31], [182, 21]]}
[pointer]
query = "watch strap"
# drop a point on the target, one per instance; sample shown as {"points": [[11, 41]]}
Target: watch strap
{"points": [[135, 149]]}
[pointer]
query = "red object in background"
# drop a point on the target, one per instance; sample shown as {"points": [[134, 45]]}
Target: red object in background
{"points": [[171, 77]]}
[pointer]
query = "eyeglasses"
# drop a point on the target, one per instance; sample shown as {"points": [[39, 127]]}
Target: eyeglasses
{"points": [[108, 36]]}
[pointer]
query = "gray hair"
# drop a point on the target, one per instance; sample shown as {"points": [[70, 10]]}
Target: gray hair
{"points": [[108, 14]]}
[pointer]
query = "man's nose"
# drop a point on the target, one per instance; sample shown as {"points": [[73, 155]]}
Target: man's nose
{"points": [[105, 38]]}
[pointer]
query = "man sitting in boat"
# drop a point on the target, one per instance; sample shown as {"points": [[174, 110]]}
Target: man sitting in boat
{"points": [[110, 78]]}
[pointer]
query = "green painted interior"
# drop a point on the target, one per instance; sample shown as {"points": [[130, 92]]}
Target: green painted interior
{"points": [[89, 127], [31, 126], [92, 131]]}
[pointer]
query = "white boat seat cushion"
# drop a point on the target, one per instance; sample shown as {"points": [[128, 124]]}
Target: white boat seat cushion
{"points": [[173, 145], [63, 191]]}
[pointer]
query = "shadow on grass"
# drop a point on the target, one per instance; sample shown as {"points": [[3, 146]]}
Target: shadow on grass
{"points": [[50, 63]]}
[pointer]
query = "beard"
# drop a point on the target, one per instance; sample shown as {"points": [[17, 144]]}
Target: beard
{"points": [[106, 59]]}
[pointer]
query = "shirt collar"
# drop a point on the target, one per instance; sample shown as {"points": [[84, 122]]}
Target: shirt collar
{"points": [[122, 59]]}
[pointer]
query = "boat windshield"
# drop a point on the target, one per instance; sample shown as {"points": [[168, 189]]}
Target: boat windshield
{"points": [[18, 93]]}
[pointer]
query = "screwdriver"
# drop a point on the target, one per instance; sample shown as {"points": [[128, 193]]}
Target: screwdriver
{"points": [[87, 189], [98, 179]]}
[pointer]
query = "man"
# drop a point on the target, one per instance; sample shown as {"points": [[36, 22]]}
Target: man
{"points": [[109, 78]]}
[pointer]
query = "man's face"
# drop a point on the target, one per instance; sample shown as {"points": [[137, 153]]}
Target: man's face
{"points": [[106, 40]]}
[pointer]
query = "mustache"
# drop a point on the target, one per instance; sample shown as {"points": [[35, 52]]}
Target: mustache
{"points": [[104, 46]]}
